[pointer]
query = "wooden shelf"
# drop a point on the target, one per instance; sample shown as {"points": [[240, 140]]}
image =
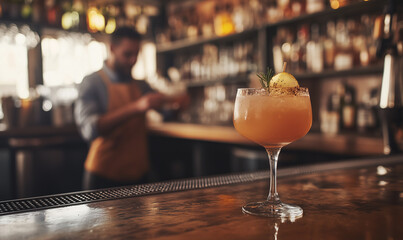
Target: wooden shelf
{"points": [[39, 136], [37, 131], [377, 69], [346, 11], [241, 78], [189, 43], [244, 78]]}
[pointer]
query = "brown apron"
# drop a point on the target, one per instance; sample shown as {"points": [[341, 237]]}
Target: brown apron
{"points": [[121, 155]]}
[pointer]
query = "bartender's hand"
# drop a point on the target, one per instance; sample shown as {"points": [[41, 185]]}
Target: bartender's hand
{"points": [[150, 101], [113, 119], [180, 101]]}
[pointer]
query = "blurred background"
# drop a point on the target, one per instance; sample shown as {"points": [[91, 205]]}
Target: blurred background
{"points": [[208, 48]]}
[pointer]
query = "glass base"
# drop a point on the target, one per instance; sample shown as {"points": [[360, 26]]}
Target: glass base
{"points": [[268, 209]]}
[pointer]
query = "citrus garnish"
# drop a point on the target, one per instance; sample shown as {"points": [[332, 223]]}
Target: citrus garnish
{"points": [[283, 80], [280, 80]]}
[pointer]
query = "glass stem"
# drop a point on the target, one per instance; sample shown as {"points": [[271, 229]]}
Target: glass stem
{"points": [[273, 158]]}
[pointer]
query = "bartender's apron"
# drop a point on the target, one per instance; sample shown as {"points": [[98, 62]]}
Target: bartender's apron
{"points": [[120, 155]]}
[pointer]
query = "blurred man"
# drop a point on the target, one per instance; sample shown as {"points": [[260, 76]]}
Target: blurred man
{"points": [[110, 113]]}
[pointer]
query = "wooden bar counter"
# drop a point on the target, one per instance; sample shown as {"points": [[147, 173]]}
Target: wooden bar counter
{"points": [[318, 142], [361, 199], [348, 144]]}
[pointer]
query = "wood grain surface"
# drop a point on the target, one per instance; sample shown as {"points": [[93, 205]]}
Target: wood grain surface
{"points": [[363, 203], [348, 144]]}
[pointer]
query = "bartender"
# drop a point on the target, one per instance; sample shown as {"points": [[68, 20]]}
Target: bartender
{"points": [[110, 113]]}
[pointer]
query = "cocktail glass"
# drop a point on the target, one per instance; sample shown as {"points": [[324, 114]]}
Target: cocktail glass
{"points": [[273, 119]]}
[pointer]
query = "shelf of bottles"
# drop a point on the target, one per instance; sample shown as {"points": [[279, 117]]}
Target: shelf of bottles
{"points": [[341, 46], [78, 15], [212, 73], [213, 46], [211, 104], [345, 112], [216, 62], [317, 38], [212, 21]]}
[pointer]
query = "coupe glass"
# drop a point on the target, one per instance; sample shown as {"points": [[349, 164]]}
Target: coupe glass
{"points": [[273, 119]]}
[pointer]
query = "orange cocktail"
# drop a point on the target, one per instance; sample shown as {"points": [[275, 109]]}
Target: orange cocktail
{"points": [[275, 119]]}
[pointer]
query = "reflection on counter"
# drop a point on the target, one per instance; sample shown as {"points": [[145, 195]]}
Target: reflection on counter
{"points": [[340, 201], [207, 53]]}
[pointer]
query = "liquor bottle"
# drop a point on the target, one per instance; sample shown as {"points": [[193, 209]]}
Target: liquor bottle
{"points": [[329, 45], [366, 117], [357, 40], [344, 54], [26, 10], [368, 21], [330, 119], [38, 11], [242, 16], [298, 7], [348, 108], [12, 9], [294, 57], [78, 9], [238, 18], [71, 15], [314, 51], [248, 17], [223, 24], [192, 30], [284, 8], [53, 12], [206, 27], [175, 24], [277, 53], [302, 39], [314, 6]]}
